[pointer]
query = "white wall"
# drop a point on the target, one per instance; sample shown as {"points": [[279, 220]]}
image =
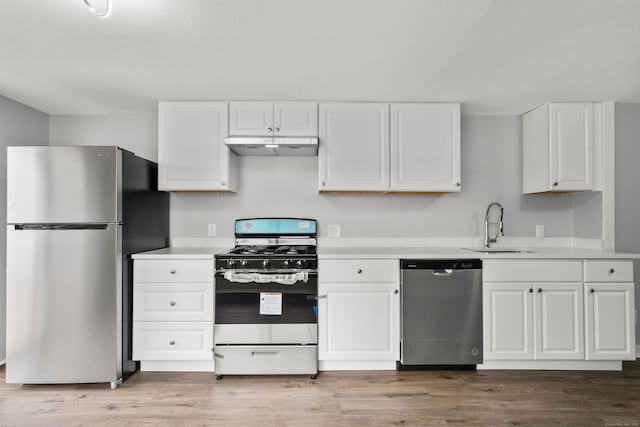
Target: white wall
{"points": [[134, 132], [19, 125], [627, 190], [491, 165]]}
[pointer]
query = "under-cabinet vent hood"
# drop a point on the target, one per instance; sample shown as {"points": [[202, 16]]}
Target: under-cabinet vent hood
{"points": [[272, 146]]}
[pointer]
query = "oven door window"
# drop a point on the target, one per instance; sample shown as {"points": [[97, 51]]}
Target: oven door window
{"points": [[239, 303]]}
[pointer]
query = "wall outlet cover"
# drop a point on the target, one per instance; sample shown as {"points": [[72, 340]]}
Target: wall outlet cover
{"points": [[333, 230], [211, 230]]}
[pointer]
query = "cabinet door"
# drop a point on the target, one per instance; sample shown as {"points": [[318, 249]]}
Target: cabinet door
{"points": [[295, 119], [508, 321], [192, 155], [425, 147], [250, 118], [353, 152], [610, 321], [571, 146], [559, 320], [358, 321]]}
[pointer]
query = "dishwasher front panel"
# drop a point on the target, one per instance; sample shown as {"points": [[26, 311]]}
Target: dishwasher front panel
{"points": [[441, 312]]}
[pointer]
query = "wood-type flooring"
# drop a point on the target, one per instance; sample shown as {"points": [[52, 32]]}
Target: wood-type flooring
{"points": [[369, 398]]}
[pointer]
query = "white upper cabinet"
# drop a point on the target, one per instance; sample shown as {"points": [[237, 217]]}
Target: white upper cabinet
{"points": [[558, 147], [425, 147], [380, 147], [192, 155], [353, 150], [273, 118]]}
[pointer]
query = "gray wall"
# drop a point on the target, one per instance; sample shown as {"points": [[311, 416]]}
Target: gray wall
{"points": [[491, 165], [19, 125], [627, 190]]}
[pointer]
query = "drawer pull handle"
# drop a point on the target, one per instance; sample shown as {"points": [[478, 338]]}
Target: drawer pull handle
{"points": [[359, 271], [172, 342], [611, 271], [172, 303], [592, 290], [172, 271]]}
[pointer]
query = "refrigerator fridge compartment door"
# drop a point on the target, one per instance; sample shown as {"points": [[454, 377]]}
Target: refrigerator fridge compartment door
{"points": [[64, 305], [64, 184]]}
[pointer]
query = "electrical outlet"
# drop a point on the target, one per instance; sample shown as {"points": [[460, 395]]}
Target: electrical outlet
{"points": [[333, 230], [539, 230], [211, 230]]}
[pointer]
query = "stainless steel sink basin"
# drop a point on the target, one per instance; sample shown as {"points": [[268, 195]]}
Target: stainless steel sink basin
{"points": [[498, 250]]}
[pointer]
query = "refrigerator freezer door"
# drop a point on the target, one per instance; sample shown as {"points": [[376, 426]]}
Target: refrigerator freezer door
{"points": [[63, 184], [64, 318]]}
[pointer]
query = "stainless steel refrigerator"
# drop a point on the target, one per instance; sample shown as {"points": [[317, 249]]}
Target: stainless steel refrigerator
{"points": [[74, 217]]}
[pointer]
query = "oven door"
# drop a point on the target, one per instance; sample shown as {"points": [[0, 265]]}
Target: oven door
{"points": [[266, 313]]}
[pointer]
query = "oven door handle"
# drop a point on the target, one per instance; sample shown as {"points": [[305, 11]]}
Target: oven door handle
{"points": [[316, 297]]}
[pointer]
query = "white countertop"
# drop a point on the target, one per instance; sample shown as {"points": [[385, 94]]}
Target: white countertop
{"points": [[396, 252], [452, 252], [179, 252]]}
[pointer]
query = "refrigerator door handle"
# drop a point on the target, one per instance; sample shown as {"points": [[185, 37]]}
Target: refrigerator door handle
{"points": [[36, 227]]}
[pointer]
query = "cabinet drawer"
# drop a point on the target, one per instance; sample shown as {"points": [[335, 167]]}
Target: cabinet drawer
{"points": [[529, 270], [173, 301], [173, 340], [253, 360], [359, 270], [608, 271], [173, 270]]}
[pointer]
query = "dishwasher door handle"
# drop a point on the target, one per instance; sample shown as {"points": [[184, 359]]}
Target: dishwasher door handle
{"points": [[442, 272]]}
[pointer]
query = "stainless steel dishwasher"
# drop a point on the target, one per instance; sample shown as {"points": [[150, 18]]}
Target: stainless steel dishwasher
{"points": [[441, 309]]}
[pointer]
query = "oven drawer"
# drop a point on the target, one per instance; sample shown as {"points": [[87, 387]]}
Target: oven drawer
{"points": [[359, 270], [256, 360], [174, 270], [172, 340], [169, 301]]}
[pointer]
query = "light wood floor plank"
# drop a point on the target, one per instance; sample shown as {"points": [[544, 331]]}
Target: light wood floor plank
{"points": [[447, 398]]}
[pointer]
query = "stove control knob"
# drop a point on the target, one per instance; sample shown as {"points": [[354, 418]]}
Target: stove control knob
{"points": [[230, 263], [285, 263], [265, 263], [244, 263], [300, 263]]}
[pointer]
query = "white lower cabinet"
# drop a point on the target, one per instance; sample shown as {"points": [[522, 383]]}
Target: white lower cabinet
{"points": [[173, 312], [358, 318], [525, 321], [550, 323]]}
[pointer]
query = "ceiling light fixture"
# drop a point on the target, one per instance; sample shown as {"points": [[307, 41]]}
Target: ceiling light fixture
{"points": [[105, 13]]}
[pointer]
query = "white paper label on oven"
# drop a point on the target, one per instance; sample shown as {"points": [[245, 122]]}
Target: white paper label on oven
{"points": [[304, 224], [271, 303], [247, 226]]}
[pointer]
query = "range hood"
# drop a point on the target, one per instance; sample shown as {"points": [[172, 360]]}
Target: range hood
{"points": [[272, 146]]}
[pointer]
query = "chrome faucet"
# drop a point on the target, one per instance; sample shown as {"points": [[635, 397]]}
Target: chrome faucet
{"points": [[488, 240]]}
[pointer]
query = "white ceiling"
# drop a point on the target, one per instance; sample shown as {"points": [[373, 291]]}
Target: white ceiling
{"points": [[494, 56]]}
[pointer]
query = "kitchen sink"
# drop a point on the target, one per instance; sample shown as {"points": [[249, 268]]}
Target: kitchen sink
{"points": [[498, 250]]}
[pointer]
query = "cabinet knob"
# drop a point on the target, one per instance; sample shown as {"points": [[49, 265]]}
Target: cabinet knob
{"points": [[457, 184], [359, 271], [395, 291], [530, 290], [172, 303], [611, 271], [172, 342], [323, 183], [224, 183], [555, 184], [539, 290], [591, 290], [172, 271], [277, 129], [270, 129]]}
